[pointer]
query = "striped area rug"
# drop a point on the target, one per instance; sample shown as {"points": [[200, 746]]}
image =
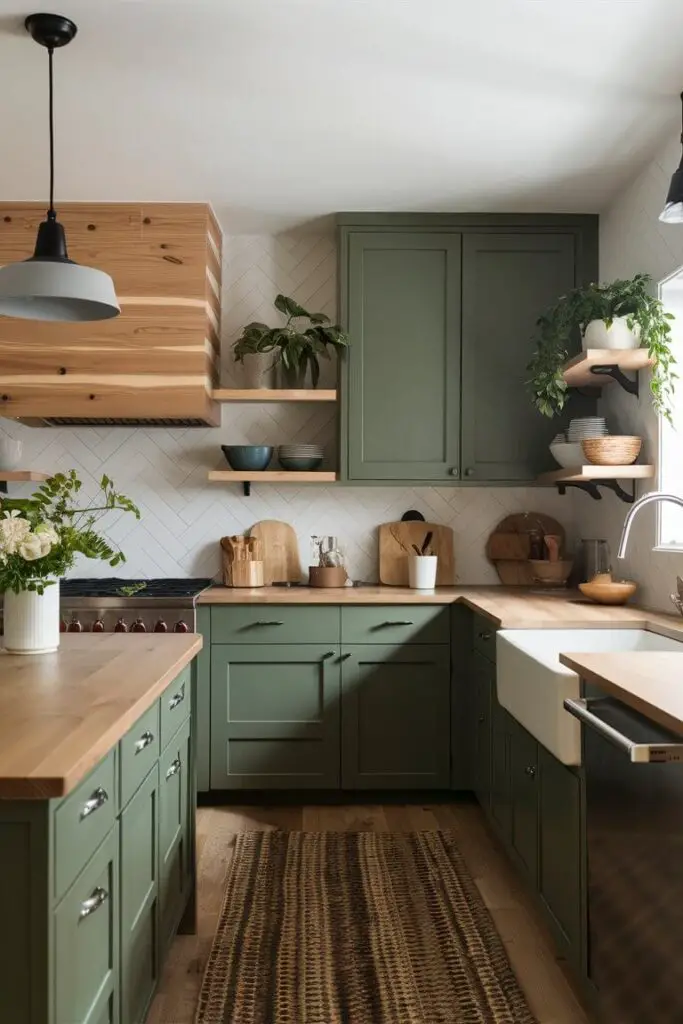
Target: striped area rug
{"points": [[356, 928]]}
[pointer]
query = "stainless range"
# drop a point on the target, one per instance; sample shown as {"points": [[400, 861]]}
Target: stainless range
{"points": [[130, 606]]}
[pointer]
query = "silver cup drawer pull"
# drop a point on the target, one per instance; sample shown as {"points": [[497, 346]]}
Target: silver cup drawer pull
{"points": [[177, 698], [97, 800], [173, 768], [144, 741], [94, 902]]}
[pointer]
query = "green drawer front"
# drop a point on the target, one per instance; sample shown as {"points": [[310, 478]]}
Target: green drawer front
{"points": [[138, 751], [274, 624], [484, 637], [176, 704], [86, 942], [395, 624], [82, 821]]}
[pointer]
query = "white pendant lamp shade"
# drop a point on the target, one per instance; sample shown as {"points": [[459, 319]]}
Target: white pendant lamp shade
{"points": [[55, 290], [48, 285]]}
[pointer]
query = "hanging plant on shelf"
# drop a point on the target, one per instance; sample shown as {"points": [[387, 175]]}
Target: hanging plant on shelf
{"points": [[622, 314], [294, 346]]}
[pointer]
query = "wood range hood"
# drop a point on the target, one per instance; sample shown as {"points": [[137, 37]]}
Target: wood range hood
{"points": [[154, 365]]}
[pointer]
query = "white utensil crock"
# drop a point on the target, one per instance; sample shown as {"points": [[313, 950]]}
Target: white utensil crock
{"points": [[618, 335], [422, 571], [10, 453], [31, 621]]}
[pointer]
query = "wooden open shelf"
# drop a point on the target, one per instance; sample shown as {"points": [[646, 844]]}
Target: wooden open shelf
{"points": [[273, 395], [577, 372], [271, 476], [17, 475], [581, 474]]}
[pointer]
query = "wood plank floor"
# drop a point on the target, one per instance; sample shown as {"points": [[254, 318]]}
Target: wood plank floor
{"points": [[529, 946]]}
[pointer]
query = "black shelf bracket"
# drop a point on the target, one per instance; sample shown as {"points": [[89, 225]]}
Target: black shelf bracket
{"points": [[246, 487], [592, 487], [613, 371]]}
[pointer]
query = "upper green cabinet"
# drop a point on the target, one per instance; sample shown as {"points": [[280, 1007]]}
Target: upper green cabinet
{"points": [[403, 389], [441, 313]]}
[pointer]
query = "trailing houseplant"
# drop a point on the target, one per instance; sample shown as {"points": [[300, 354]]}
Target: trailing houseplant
{"points": [[625, 307], [295, 346], [40, 538]]}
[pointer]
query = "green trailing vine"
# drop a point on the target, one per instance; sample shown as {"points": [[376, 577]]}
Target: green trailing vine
{"points": [[561, 326]]}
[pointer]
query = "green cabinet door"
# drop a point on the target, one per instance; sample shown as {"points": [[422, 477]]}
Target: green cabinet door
{"points": [[176, 795], [560, 865], [401, 404], [275, 716], [482, 677], [508, 280], [139, 900], [524, 783], [500, 809], [86, 942], [396, 717]]}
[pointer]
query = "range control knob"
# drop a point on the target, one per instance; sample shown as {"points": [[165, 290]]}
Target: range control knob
{"points": [[121, 626], [138, 626], [98, 626], [62, 625], [160, 626], [181, 627], [74, 626]]}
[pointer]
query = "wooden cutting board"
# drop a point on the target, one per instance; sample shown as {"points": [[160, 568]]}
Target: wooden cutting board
{"points": [[508, 545], [396, 543], [281, 562]]}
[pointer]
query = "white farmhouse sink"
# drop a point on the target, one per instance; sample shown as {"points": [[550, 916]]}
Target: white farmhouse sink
{"points": [[532, 684]]}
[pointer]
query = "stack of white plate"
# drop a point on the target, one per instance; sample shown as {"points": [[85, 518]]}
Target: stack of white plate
{"points": [[302, 457], [585, 427]]}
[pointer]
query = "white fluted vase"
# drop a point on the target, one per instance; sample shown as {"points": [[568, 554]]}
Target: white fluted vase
{"points": [[31, 621]]}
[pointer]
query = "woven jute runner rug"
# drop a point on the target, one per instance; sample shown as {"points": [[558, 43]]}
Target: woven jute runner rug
{"points": [[356, 928]]}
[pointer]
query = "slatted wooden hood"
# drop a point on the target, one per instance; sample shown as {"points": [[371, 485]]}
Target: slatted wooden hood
{"points": [[156, 363]]}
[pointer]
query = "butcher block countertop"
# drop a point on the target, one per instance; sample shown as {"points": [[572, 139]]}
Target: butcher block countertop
{"points": [[61, 713], [507, 607], [650, 682]]}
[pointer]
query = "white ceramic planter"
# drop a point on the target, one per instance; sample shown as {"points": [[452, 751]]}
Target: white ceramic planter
{"points": [[31, 621], [618, 335], [422, 571]]}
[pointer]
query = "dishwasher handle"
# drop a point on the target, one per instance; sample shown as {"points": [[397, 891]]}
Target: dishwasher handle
{"points": [[637, 753]]}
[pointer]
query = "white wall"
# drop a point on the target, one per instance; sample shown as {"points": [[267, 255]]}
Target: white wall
{"points": [[632, 239], [164, 471]]}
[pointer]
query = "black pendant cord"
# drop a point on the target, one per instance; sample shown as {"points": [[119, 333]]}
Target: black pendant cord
{"points": [[51, 212]]}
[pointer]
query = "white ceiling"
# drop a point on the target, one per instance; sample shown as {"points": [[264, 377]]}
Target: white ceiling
{"points": [[280, 111]]}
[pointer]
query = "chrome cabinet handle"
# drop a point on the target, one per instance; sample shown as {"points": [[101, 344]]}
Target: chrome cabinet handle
{"points": [[469, 471], [173, 768], [454, 471], [398, 622], [484, 635], [637, 753], [176, 699], [94, 902], [330, 654], [268, 622], [530, 770], [481, 719], [144, 741], [345, 657], [97, 800]]}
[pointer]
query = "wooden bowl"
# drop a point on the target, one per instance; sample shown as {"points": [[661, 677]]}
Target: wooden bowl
{"points": [[612, 451], [326, 576], [550, 573], [608, 593]]}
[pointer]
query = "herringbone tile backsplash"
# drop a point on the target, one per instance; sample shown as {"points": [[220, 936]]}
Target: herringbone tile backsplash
{"points": [[165, 471]]}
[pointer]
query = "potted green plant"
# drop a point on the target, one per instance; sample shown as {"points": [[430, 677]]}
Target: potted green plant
{"points": [[40, 538], [294, 346], [622, 314]]}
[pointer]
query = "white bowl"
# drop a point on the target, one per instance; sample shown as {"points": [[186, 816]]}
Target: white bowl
{"points": [[569, 456]]}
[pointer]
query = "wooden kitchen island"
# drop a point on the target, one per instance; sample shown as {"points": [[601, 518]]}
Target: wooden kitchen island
{"points": [[97, 808]]}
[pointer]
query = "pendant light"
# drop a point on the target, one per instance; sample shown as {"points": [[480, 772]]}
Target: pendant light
{"points": [[673, 208], [48, 285]]}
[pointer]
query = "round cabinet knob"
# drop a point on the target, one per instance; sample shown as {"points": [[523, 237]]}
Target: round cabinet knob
{"points": [[530, 770], [160, 626], [138, 626], [121, 626], [469, 471], [62, 626], [74, 626], [98, 626], [181, 627], [454, 471]]}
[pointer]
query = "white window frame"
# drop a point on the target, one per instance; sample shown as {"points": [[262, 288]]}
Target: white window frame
{"points": [[660, 509]]}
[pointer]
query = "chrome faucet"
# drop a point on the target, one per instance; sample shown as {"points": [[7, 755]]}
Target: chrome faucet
{"points": [[647, 499]]}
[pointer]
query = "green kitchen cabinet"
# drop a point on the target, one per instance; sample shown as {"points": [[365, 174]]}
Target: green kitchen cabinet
{"points": [[176, 798], [275, 716], [524, 827], [139, 828], [401, 400], [483, 681], [500, 807], [395, 717]]}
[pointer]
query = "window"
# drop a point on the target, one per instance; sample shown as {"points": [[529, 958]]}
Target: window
{"points": [[670, 518]]}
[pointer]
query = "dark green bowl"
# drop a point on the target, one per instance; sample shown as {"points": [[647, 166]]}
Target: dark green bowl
{"points": [[301, 464], [250, 457]]}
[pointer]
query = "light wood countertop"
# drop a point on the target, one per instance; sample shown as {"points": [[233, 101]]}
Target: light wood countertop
{"points": [[61, 713], [651, 682]]}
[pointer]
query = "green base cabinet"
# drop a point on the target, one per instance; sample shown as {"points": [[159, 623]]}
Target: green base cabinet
{"points": [[483, 680], [395, 717], [500, 807], [524, 800], [275, 716], [175, 809]]}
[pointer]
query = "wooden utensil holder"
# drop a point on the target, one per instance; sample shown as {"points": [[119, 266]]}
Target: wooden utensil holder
{"points": [[243, 574], [327, 576]]}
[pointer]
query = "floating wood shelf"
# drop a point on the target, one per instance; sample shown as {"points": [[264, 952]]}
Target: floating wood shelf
{"points": [[17, 475], [273, 395], [591, 478], [583, 370], [270, 476]]}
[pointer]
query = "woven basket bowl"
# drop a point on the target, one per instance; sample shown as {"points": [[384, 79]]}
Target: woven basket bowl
{"points": [[612, 451]]}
